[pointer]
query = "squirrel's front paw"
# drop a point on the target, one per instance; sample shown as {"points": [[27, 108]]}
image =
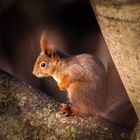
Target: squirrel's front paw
{"points": [[65, 109]]}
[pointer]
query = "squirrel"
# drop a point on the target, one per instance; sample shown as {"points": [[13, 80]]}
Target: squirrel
{"points": [[82, 76]]}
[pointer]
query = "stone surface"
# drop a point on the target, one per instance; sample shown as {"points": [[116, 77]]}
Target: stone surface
{"points": [[119, 21], [28, 114], [135, 135]]}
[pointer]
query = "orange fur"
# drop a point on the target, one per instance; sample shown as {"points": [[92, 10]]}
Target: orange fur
{"points": [[64, 82]]}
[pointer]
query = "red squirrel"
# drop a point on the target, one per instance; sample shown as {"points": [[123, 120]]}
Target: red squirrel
{"points": [[84, 78]]}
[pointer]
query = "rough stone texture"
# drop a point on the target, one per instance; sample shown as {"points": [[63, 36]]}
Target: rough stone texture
{"points": [[28, 114], [136, 133], [119, 21]]}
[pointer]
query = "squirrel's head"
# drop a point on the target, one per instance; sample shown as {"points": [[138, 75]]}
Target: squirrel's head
{"points": [[46, 61]]}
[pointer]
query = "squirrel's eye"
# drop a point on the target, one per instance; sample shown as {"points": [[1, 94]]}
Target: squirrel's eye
{"points": [[43, 64]]}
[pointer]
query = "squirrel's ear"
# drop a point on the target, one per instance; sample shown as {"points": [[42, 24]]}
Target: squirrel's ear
{"points": [[47, 47], [44, 44]]}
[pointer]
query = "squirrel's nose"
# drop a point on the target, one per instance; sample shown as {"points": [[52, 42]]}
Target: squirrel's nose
{"points": [[34, 73]]}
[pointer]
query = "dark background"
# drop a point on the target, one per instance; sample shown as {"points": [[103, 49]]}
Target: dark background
{"points": [[71, 25]]}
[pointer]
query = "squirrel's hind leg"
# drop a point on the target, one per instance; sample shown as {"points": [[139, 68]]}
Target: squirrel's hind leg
{"points": [[68, 110]]}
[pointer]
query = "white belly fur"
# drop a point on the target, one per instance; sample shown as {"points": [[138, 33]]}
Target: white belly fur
{"points": [[56, 79]]}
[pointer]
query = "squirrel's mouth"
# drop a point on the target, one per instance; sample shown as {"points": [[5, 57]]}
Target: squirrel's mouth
{"points": [[38, 74]]}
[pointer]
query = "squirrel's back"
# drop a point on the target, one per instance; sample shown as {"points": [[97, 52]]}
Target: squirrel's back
{"points": [[85, 65], [87, 88]]}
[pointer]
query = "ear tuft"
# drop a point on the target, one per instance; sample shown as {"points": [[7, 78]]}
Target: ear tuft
{"points": [[43, 42], [48, 47]]}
